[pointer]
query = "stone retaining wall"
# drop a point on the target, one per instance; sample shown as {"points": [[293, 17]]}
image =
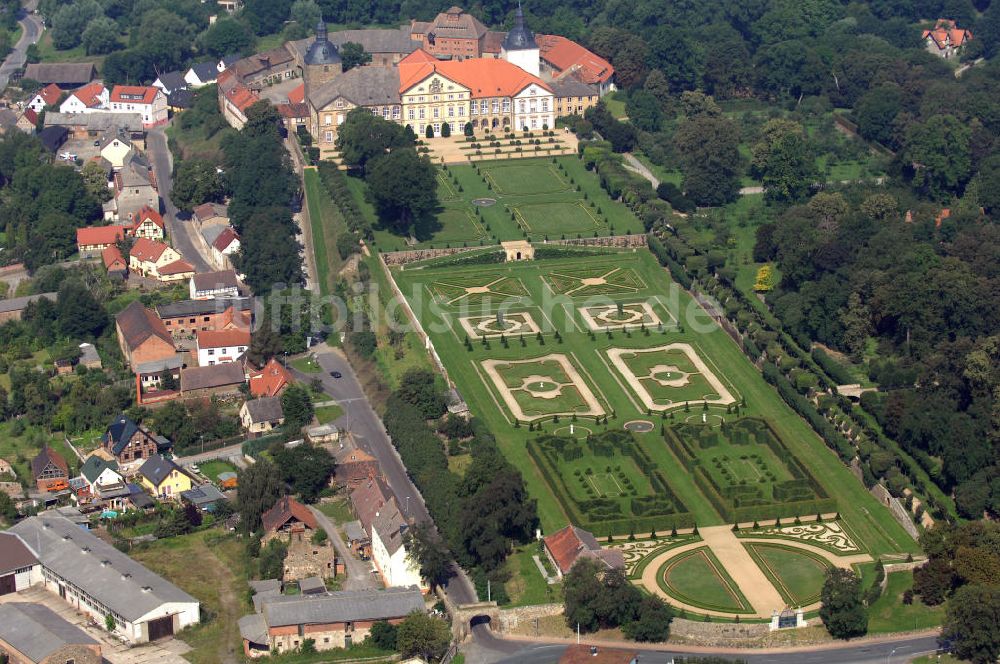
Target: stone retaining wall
{"points": [[414, 255], [511, 618], [621, 241], [713, 633], [896, 509]]}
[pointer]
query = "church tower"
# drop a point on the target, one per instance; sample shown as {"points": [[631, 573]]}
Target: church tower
{"points": [[519, 47], [322, 62]]}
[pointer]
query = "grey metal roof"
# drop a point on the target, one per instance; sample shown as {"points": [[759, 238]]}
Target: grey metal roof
{"points": [[203, 494], [266, 586], [205, 71], [207, 281], [131, 122], [321, 51], [156, 366], [343, 606], [265, 409], [571, 86], [172, 80], [99, 569], [362, 86], [203, 307], [18, 303], [390, 526], [37, 631], [157, 467], [520, 38], [88, 353], [14, 554], [376, 40], [216, 375], [354, 531], [94, 466]]}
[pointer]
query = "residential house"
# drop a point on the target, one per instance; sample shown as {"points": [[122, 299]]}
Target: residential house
{"points": [[170, 81], [225, 245], [368, 498], [144, 339], [90, 98], [89, 357], [579, 653], [180, 100], [98, 580], [220, 380], [163, 478], [12, 308], [211, 213], [114, 262], [91, 241], [235, 98], [453, 34], [67, 75], [104, 481], [946, 38], [128, 441], [354, 466], [261, 69], [49, 470], [47, 96], [259, 416], [115, 146], [561, 55], [289, 521], [53, 138], [185, 318], [158, 261], [570, 544], [204, 497], [201, 74], [93, 125], [148, 101], [19, 569], [220, 346], [210, 285], [269, 381], [27, 122], [331, 620], [573, 96], [147, 223], [134, 188], [227, 61], [388, 546], [35, 634]]}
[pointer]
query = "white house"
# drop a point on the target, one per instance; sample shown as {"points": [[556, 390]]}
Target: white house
{"points": [[148, 101], [115, 146], [90, 98], [98, 580], [393, 561], [19, 569], [101, 474], [210, 285], [534, 108], [200, 74], [221, 346], [225, 245], [45, 97]]}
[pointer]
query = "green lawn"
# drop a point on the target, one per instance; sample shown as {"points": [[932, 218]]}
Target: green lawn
{"points": [[870, 521], [209, 565], [337, 509], [616, 105], [527, 586], [212, 469], [796, 574], [534, 197], [307, 364], [327, 414], [698, 578], [889, 614], [21, 449]]}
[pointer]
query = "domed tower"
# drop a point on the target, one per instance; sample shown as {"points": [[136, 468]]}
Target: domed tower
{"points": [[322, 61], [519, 47]]}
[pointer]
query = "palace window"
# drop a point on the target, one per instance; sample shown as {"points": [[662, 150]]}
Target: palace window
{"points": [[496, 105], [474, 110], [461, 111], [451, 111], [506, 105], [437, 112], [410, 114], [520, 106], [421, 114], [545, 105], [327, 119], [395, 112], [484, 104]]}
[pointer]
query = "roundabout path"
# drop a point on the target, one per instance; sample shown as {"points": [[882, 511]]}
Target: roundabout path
{"points": [[753, 583]]}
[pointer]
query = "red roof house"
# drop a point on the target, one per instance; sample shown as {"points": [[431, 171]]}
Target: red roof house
{"points": [[946, 37], [92, 240], [287, 517], [270, 380], [570, 544], [113, 260], [564, 55]]}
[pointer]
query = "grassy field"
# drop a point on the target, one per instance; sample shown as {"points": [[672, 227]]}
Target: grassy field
{"points": [[871, 522], [327, 414], [796, 574], [526, 585], [209, 565], [19, 450], [307, 364], [211, 469], [698, 578], [537, 198], [889, 614], [337, 509], [326, 223]]}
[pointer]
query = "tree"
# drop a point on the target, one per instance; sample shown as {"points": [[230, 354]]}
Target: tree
{"points": [[101, 36], [81, 316], [842, 612], [382, 634], [445, 130], [708, 150], [784, 162], [856, 318], [972, 623], [260, 488], [657, 85], [402, 187], [347, 244], [69, 22], [643, 110], [354, 55], [164, 39], [418, 388], [876, 113], [989, 184], [933, 580], [266, 16], [431, 554], [264, 344], [364, 136], [581, 588], [297, 407], [269, 255], [307, 14], [671, 51], [197, 181], [305, 468], [938, 150], [227, 36], [271, 563], [8, 511], [95, 180], [421, 635], [988, 30], [652, 622]]}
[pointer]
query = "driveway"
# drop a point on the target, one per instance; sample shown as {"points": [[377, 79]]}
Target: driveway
{"points": [[31, 30], [360, 419], [184, 235], [167, 651], [359, 572]]}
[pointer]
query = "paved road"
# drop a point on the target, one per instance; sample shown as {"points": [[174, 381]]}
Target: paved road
{"points": [[219, 453], [360, 419], [31, 30], [184, 236], [359, 573], [897, 651]]}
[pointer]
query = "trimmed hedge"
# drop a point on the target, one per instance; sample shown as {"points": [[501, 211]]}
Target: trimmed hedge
{"points": [[832, 367]]}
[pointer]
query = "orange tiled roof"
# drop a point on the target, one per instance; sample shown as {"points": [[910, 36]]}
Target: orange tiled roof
{"points": [[93, 235], [298, 95], [270, 380], [223, 338], [147, 212], [571, 543], [226, 238], [89, 94], [179, 266], [485, 77], [947, 33], [284, 510], [112, 256], [564, 54], [50, 94], [148, 250], [134, 94]]}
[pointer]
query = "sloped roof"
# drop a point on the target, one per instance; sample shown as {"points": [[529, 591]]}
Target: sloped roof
{"points": [[342, 606], [44, 458], [298, 95], [60, 72], [50, 94], [569, 544], [390, 526], [138, 323], [203, 494], [571, 86], [269, 380], [180, 99], [210, 210], [95, 121], [120, 432], [179, 266], [111, 256], [216, 375], [92, 235], [225, 238], [485, 77], [565, 54], [265, 409], [14, 554], [203, 307], [947, 33], [223, 338], [284, 510], [207, 281], [368, 498], [157, 467], [146, 249], [90, 94], [18, 303], [363, 86], [96, 567], [94, 466], [146, 212], [37, 631], [205, 71], [172, 80], [293, 111], [456, 24], [135, 94]]}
